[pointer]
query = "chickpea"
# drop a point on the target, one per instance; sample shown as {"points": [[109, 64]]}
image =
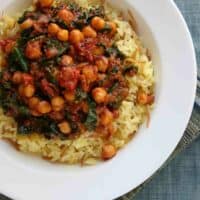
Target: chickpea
{"points": [[66, 60], [98, 51], [33, 102], [142, 98], [113, 27], [76, 36], [90, 73], [100, 95], [69, 96], [28, 23], [63, 35], [53, 29], [66, 15], [46, 3], [17, 77], [98, 23], [43, 107], [57, 103], [102, 64], [64, 127], [35, 113], [88, 31], [33, 50], [29, 90], [108, 151], [106, 117]]}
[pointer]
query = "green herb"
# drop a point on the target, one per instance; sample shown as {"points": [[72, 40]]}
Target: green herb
{"points": [[130, 68], [61, 46], [115, 104], [80, 94], [7, 85], [91, 120], [107, 28], [26, 36], [114, 51], [23, 17], [24, 129], [100, 44], [96, 11], [73, 7], [86, 16], [51, 78], [60, 22], [113, 87], [68, 116], [53, 128], [23, 111], [16, 58], [114, 70]]}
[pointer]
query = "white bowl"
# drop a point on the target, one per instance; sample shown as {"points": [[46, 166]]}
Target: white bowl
{"points": [[164, 31]]}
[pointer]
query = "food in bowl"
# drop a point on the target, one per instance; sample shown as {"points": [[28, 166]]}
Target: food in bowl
{"points": [[76, 82]]}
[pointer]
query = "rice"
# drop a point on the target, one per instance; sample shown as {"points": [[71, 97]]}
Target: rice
{"points": [[87, 148]]}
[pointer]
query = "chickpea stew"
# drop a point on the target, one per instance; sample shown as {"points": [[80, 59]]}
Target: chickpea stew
{"points": [[64, 74]]}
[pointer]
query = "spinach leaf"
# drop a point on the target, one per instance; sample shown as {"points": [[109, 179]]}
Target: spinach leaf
{"points": [[130, 68], [61, 46], [115, 104], [91, 120], [7, 85], [26, 36], [113, 87], [86, 16], [22, 129], [114, 51], [23, 17], [114, 70], [73, 7], [23, 111], [16, 58], [51, 78], [60, 22], [80, 94], [107, 28]]}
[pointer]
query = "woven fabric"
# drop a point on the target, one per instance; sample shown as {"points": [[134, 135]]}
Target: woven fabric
{"points": [[190, 10]]}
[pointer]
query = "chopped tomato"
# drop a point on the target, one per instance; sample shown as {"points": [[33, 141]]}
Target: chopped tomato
{"points": [[6, 45], [27, 79], [48, 88], [52, 52], [33, 50], [68, 78]]}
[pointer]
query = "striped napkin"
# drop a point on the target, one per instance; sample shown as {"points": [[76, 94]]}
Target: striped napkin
{"points": [[190, 10]]}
